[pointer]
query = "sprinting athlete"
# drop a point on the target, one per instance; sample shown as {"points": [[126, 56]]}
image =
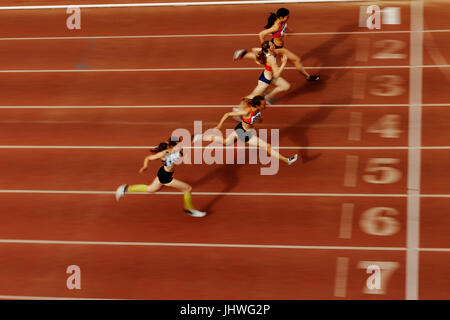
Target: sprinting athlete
{"points": [[170, 154], [251, 111], [277, 26], [266, 56]]}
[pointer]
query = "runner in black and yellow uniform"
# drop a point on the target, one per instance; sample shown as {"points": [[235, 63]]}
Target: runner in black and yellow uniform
{"points": [[170, 154]]}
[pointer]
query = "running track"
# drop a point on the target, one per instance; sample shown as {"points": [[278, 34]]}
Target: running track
{"points": [[78, 115]]}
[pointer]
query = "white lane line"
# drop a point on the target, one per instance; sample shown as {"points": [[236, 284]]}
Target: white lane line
{"points": [[216, 106], [414, 154], [381, 32], [382, 105], [233, 147], [252, 194], [204, 245], [169, 4], [434, 249], [209, 69]]}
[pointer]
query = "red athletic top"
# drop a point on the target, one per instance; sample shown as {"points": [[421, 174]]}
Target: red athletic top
{"points": [[280, 31], [252, 118], [268, 68]]}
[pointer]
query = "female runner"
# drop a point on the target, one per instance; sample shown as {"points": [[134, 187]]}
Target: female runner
{"points": [[169, 153], [251, 111], [277, 25], [266, 56]]}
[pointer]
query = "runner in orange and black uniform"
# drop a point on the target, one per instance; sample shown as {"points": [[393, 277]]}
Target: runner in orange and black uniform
{"points": [[250, 112], [277, 26]]}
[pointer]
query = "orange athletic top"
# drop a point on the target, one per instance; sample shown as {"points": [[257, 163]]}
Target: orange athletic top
{"points": [[252, 118]]}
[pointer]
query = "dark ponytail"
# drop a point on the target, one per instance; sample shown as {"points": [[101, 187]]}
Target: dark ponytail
{"points": [[271, 20], [161, 147], [261, 56], [171, 142], [282, 12]]}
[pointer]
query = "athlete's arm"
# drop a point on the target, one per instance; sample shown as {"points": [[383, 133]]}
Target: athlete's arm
{"points": [[266, 32], [149, 158], [275, 69], [231, 114]]}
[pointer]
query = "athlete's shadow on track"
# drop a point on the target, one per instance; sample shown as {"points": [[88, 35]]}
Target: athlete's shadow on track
{"points": [[325, 56], [228, 174], [298, 132]]}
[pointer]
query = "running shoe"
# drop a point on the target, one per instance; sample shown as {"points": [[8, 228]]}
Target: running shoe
{"points": [[195, 213], [292, 159], [239, 54], [120, 192]]}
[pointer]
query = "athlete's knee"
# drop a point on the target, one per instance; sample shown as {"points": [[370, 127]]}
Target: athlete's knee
{"points": [[284, 87], [188, 188]]}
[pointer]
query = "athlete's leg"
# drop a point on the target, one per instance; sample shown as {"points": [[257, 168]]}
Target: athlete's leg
{"points": [[246, 54], [294, 59], [230, 139], [186, 189], [255, 141], [259, 90], [281, 85], [153, 187]]}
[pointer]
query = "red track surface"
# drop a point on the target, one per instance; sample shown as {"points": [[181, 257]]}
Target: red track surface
{"points": [[311, 219]]}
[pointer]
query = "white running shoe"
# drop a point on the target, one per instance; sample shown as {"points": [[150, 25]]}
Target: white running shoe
{"points": [[239, 54], [197, 137], [195, 213], [292, 159], [120, 192]]}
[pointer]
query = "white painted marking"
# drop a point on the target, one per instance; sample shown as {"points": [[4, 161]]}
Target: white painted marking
{"points": [[205, 245], [378, 172], [340, 286], [211, 106], [345, 231], [378, 221], [215, 35], [252, 194], [354, 132], [167, 4], [436, 55], [382, 78], [414, 155], [391, 15], [232, 147], [351, 171], [390, 49]]}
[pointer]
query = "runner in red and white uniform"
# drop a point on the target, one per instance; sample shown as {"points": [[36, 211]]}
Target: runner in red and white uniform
{"points": [[277, 26], [266, 56]]}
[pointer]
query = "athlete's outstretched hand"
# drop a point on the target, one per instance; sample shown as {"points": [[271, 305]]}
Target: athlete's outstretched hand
{"points": [[142, 169]]}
